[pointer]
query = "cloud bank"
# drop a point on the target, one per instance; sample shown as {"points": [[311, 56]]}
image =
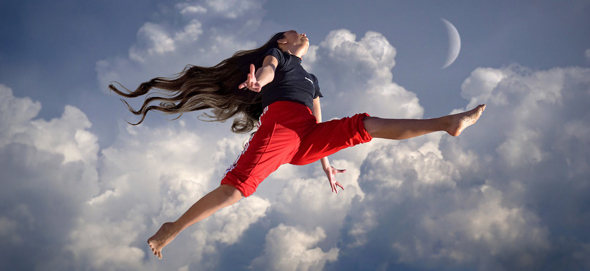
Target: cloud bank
{"points": [[509, 194]]}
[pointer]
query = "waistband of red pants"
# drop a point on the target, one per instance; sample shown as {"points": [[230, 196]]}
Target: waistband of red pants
{"points": [[287, 105]]}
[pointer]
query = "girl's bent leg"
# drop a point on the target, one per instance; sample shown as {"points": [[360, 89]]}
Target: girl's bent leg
{"points": [[399, 129], [223, 196]]}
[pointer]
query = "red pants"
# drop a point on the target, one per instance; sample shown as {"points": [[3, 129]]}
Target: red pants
{"points": [[289, 133]]}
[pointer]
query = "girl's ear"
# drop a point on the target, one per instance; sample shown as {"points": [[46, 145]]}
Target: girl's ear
{"points": [[282, 41]]}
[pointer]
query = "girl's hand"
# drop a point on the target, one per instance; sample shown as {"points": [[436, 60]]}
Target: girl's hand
{"points": [[251, 83], [331, 173]]}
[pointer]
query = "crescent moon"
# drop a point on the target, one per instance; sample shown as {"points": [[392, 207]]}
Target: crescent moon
{"points": [[454, 43]]}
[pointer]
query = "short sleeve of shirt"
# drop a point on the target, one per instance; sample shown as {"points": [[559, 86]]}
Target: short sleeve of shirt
{"points": [[317, 87], [278, 55]]}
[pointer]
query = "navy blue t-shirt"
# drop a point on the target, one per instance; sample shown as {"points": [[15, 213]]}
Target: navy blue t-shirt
{"points": [[291, 82]]}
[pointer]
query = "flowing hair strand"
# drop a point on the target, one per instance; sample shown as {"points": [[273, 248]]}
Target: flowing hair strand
{"points": [[198, 88]]}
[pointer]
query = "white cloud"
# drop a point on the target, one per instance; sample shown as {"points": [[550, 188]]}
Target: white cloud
{"points": [[238, 218], [423, 214], [156, 39], [309, 202], [234, 8], [289, 248], [587, 54], [97, 209], [18, 112], [66, 136], [491, 193], [155, 175], [200, 35], [480, 85], [357, 74], [522, 147], [191, 32], [49, 170], [186, 8]]}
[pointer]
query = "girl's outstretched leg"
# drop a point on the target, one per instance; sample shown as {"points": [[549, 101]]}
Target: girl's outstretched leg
{"points": [[223, 196], [407, 128]]}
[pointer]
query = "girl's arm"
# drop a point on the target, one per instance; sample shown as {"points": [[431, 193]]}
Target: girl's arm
{"points": [[264, 75], [329, 170]]}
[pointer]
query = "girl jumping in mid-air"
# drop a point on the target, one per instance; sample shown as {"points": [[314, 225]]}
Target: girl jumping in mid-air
{"points": [[267, 87]]}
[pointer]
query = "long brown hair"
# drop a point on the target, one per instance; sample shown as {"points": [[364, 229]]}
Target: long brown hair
{"points": [[198, 88]]}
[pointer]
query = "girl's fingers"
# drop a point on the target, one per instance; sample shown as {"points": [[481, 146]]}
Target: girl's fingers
{"points": [[251, 80]]}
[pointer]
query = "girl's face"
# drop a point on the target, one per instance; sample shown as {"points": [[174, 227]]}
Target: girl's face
{"points": [[295, 38], [294, 41]]}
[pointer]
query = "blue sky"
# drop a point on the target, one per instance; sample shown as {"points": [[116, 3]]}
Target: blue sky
{"points": [[83, 190]]}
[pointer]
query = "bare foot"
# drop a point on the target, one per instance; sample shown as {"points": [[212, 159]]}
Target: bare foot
{"points": [[164, 236], [459, 122]]}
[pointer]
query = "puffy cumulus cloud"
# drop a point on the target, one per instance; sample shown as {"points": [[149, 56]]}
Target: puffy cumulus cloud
{"points": [[49, 170], [307, 203], [356, 76], [150, 176], [543, 147], [418, 212], [53, 136], [67, 205], [541, 110], [290, 248], [481, 83], [158, 41], [106, 241], [203, 33], [18, 112], [495, 198]]}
